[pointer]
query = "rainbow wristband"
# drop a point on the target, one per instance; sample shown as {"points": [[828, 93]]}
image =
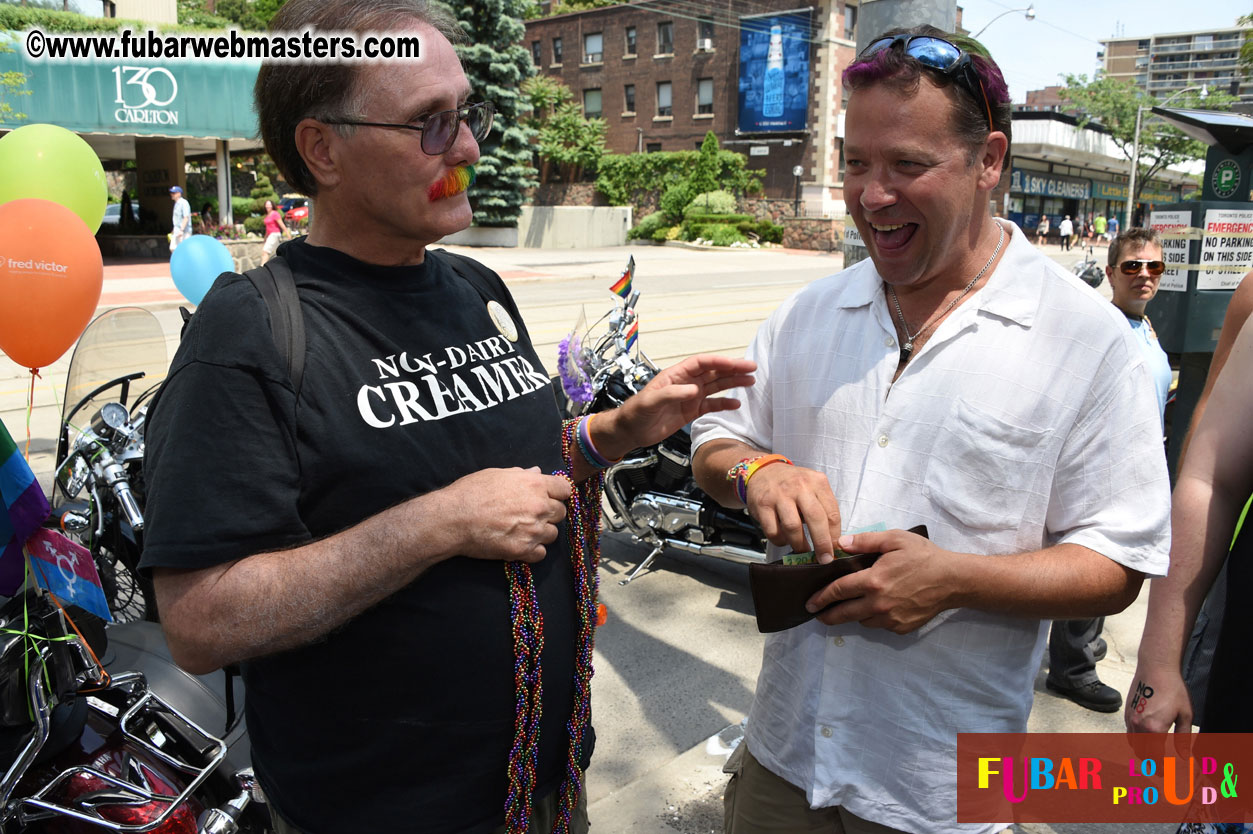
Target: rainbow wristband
{"points": [[750, 469], [588, 449]]}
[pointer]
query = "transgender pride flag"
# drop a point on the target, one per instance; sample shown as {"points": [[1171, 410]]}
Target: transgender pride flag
{"points": [[25, 508]]}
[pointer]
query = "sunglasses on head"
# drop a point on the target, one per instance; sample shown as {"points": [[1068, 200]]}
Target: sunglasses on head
{"points": [[439, 130], [938, 54], [1134, 267]]}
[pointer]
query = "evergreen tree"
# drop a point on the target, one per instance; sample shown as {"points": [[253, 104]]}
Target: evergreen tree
{"points": [[496, 62]]}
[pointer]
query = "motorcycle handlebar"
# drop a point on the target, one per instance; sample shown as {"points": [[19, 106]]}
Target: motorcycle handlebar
{"points": [[115, 477]]}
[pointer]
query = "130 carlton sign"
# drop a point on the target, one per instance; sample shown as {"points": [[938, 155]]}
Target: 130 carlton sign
{"points": [[1050, 185], [143, 95]]}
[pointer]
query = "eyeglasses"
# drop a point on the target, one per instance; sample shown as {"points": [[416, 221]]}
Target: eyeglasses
{"points": [[439, 130], [938, 54], [1134, 267]]}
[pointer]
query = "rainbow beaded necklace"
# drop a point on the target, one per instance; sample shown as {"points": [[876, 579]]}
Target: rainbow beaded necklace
{"points": [[582, 529]]}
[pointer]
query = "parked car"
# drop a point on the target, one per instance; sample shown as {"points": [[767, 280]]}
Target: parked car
{"points": [[112, 214], [295, 208]]}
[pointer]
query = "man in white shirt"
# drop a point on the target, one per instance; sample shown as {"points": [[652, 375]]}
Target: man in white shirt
{"points": [[181, 219], [956, 379]]}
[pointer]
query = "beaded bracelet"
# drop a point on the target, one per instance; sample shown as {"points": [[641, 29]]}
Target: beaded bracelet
{"points": [[745, 469], [588, 449]]}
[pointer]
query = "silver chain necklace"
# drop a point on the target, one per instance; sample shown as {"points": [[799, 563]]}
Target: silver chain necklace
{"points": [[908, 347]]}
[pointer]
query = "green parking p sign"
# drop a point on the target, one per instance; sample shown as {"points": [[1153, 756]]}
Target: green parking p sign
{"points": [[1225, 178]]}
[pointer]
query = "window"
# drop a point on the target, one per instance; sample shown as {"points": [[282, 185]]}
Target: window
{"points": [[705, 34], [850, 23], [628, 97], [664, 105], [556, 50], [591, 104], [653, 147], [665, 38], [630, 40], [593, 48], [537, 52], [705, 95]]}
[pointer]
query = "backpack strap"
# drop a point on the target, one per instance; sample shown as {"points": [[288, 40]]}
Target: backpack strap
{"points": [[277, 286]]}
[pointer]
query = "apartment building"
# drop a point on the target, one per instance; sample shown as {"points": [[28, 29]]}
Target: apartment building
{"points": [[1164, 64], [662, 73]]}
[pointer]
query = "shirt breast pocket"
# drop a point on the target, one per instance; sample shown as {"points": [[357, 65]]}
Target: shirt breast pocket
{"points": [[983, 470]]}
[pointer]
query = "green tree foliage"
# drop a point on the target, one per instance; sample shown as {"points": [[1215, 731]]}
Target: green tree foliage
{"points": [[1246, 48], [702, 179], [12, 83], [628, 179], [1113, 104], [567, 140], [496, 63], [564, 6]]}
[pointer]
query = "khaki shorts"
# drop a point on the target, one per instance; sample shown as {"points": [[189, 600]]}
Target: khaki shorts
{"points": [[759, 802], [271, 243]]}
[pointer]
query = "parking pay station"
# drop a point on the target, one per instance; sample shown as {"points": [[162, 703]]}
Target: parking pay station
{"points": [[1208, 248]]}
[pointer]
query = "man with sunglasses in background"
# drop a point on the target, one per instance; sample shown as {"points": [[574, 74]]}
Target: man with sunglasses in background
{"points": [[382, 544], [1076, 646], [959, 380]]}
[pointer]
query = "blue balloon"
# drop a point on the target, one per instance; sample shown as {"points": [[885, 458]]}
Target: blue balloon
{"points": [[196, 264]]}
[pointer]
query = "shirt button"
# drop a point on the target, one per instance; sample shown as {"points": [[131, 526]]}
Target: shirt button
{"points": [[827, 732], [883, 440], [838, 641], [889, 341]]}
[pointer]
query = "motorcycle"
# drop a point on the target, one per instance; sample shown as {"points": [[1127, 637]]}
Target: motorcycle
{"points": [[1089, 269], [99, 731], [98, 486], [650, 494]]}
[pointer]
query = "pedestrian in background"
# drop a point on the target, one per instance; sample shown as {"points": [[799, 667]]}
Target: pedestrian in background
{"points": [[1042, 231], [1134, 271], [959, 379], [1065, 229], [181, 218], [275, 229]]}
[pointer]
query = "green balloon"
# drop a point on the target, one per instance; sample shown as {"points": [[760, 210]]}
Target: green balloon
{"points": [[46, 162]]}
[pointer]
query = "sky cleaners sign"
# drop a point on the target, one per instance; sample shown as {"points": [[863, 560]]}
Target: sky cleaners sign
{"points": [[1023, 181]]}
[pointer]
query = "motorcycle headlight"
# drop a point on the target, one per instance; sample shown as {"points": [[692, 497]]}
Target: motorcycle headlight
{"points": [[73, 475]]}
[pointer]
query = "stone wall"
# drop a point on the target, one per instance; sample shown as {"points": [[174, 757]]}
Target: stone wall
{"points": [[567, 194], [246, 253], [822, 234]]}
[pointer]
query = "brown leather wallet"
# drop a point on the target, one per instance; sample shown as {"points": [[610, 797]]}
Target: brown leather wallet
{"points": [[780, 591]]}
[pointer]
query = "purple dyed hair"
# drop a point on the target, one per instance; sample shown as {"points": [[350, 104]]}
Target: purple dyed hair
{"points": [[896, 69]]}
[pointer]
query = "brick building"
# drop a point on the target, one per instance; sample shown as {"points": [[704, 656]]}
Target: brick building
{"points": [[662, 74]]}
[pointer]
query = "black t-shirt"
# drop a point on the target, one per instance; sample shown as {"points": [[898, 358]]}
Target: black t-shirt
{"points": [[404, 716]]}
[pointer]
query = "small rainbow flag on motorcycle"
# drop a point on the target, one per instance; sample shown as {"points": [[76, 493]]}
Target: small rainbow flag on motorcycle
{"points": [[633, 334], [622, 287], [24, 508]]}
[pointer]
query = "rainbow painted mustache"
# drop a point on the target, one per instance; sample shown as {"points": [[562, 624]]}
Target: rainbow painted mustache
{"points": [[453, 183]]}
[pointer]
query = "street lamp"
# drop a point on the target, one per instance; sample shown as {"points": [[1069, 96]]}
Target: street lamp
{"points": [[1030, 15], [797, 171], [1135, 148]]}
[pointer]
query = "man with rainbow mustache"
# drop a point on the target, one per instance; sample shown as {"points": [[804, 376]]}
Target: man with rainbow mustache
{"points": [[958, 380], [400, 551]]}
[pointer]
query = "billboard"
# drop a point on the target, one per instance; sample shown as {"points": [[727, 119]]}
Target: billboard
{"points": [[774, 72]]}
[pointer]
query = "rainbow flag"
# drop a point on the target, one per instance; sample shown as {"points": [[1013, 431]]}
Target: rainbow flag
{"points": [[633, 334], [25, 507], [622, 287]]}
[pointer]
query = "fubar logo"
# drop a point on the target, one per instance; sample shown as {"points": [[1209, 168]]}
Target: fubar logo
{"points": [[143, 93]]}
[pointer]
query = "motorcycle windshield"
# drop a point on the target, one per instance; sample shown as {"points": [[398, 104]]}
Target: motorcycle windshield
{"points": [[118, 344]]}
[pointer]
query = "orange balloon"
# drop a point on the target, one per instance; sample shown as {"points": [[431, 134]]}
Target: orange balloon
{"points": [[51, 274]]}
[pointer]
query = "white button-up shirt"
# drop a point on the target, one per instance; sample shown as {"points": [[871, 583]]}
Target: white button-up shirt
{"points": [[1028, 419]]}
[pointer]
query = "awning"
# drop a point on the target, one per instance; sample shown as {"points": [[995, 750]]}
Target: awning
{"points": [[205, 100]]}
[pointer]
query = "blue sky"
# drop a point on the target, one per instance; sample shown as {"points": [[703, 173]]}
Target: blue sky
{"points": [[1065, 35]]}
